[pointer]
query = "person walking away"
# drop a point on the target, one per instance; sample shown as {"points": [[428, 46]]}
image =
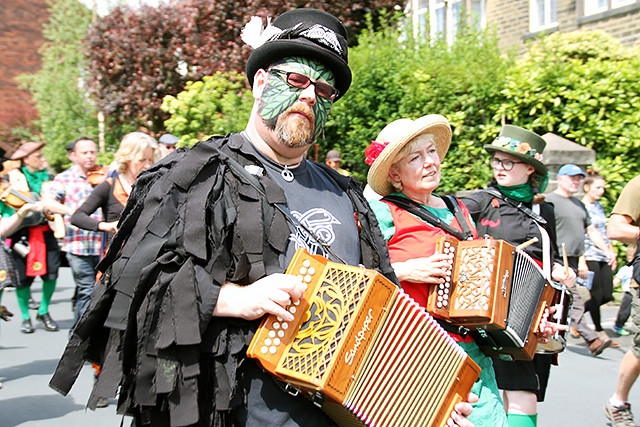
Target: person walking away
{"points": [[572, 221], [597, 262], [200, 253], [624, 226]]}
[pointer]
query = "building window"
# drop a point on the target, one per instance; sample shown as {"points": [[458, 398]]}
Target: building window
{"points": [[442, 18], [544, 15], [592, 7]]}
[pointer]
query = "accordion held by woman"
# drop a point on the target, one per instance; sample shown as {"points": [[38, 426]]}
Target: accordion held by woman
{"points": [[363, 350], [497, 291]]}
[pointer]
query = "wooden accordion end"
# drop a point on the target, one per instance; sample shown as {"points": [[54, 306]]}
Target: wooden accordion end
{"points": [[363, 350], [497, 291]]}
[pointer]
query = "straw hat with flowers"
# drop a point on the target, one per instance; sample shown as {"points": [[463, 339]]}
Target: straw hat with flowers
{"points": [[382, 152]]}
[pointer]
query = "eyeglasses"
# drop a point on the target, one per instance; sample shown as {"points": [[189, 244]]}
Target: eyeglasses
{"points": [[505, 164], [301, 81]]}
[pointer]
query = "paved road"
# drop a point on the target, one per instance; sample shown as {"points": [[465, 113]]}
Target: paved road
{"points": [[577, 391]]}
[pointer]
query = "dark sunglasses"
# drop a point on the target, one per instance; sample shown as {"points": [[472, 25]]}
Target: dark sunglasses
{"points": [[301, 81]]}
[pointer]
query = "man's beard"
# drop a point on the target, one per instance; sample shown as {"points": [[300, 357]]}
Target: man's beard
{"points": [[294, 132]]}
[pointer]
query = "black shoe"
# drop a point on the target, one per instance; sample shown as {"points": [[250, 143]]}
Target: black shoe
{"points": [[48, 322], [26, 327], [33, 305]]}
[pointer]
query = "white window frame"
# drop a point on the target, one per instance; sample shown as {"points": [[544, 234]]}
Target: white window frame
{"points": [[610, 4], [535, 23], [429, 14]]}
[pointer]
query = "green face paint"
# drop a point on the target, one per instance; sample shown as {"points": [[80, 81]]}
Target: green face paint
{"points": [[278, 95]]}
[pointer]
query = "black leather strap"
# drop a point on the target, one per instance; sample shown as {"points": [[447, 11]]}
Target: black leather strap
{"points": [[416, 209]]}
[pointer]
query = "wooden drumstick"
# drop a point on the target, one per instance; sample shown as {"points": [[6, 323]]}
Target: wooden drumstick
{"points": [[565, 260], [527, 243]]}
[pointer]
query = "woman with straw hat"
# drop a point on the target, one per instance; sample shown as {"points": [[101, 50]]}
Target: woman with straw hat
{"points": [[405, 167], [507, 211]]}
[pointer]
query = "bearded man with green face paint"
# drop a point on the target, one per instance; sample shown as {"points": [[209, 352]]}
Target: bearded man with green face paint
{"points": [[200, 253]]}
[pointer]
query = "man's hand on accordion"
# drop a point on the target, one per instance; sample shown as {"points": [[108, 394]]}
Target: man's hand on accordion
{"points": [[271, 294], [433, 269], [461, 412]]}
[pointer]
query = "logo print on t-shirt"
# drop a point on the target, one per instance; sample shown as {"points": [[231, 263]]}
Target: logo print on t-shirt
{"points": [[318, 220]]}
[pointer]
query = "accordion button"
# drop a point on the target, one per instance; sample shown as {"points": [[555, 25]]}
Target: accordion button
{"points": [[273, 349], [306, 263], [264, 349], [267, 341], [308, 278], [285, 325], [292, 310], [303, 270], [281, 334], [312, 271], [276, 325], [272, 333], [276, 341]]}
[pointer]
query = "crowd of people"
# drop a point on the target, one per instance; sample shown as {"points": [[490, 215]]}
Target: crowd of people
{"points": [[176, 255]]}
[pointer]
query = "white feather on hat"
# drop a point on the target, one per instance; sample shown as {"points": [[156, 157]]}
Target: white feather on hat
{"points": [[255, 35]]}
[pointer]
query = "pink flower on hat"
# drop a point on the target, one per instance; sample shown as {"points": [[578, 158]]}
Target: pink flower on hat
{"points": [[372, 152]]}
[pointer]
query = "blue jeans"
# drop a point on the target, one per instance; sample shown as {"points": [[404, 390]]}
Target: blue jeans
{"points": [[83, 268]]}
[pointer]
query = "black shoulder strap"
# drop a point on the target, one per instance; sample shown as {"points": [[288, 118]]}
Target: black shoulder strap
{"points": [[518, 205], [415, 208], [452, 204]]}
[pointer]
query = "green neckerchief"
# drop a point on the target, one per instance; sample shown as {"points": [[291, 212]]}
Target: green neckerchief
{"points": [[35, 179], [519, 193]]}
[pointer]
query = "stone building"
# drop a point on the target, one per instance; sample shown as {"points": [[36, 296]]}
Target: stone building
{"points": [[21, 38], [518, 21]]}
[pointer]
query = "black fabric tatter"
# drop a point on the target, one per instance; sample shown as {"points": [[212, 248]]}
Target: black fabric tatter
{"points": [[518, 205], [416, 209]]}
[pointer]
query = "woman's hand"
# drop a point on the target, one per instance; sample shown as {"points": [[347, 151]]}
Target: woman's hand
{"points": [[432, 270], [461, 412], [109, 227]]}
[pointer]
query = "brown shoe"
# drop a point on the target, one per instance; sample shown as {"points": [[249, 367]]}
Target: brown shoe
{"points": [[597, 346], [574, 332]]}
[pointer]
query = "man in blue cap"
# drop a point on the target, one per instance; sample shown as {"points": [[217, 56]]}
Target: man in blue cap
{"points": [[572, 221]]}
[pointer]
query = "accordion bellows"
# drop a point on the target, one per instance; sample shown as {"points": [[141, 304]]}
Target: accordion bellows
{"points": [[363, 350]]}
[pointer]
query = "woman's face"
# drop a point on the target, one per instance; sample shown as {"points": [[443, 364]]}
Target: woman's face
{"points": [[418, 171], [141, 163], [596, 189], [509, 171]]}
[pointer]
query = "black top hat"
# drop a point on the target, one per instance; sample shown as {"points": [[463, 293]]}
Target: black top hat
{"points": [[309, 33]]}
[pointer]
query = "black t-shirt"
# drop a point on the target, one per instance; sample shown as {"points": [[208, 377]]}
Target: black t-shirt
{"points": [[317, 201]]}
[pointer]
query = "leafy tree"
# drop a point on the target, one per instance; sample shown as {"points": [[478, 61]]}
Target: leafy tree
{"points": [[216, 105], [57, 89], [137, 57], [583, 86], [397, 76]]}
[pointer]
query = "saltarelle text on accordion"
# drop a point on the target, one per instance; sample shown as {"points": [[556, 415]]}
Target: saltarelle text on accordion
{"points": [[498, 292], [363, 350]]}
